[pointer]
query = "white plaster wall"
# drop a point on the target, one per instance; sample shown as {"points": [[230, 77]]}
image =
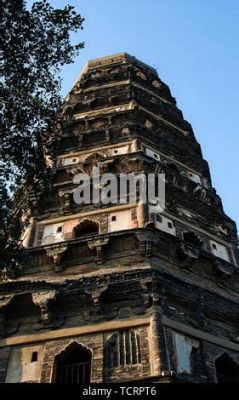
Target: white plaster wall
{"points": [[50, 234], [118, 150], [220, 250], [70, 160], [73, 159], [21, 369], [184, 346], [152, 154], [123, 221], [164, 225]]}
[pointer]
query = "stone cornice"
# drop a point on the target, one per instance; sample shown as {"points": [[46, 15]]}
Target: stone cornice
{"points": [[88, 282], [76, 331]]}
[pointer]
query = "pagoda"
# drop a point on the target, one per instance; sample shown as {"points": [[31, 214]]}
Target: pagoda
{"points": [[117, 292]]}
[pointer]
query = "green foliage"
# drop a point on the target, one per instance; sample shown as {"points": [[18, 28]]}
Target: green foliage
{"points": [[13, 255], [35, 44]]}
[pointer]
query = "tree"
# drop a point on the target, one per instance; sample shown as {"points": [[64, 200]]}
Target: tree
{"points": [[35, 44]]}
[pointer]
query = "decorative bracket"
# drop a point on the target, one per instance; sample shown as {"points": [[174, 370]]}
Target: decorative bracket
{"points": [[56, 252], [224, 268], [95, 293], [42, 300], [65, 199], [146, 284], [98, 245], [188, 254]]}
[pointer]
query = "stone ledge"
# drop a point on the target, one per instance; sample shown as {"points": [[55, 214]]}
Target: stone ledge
{"points": [[75, 331]]}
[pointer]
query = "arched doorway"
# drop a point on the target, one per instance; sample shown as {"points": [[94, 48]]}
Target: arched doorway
{"points": [[86, 227], [227, 370], [73, 365]]}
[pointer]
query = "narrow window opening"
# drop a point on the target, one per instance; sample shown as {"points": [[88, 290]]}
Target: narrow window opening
{"points": [[113, 218], [34, 356], [159, 218]]}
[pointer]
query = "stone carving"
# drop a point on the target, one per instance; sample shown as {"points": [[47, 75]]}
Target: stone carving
{"points": [[56, 252], [42, 300], [224, 268], [188, 254], [142, 75], [98, 245], [65, 198], [146, 284], [156, 84], [95, 293]]}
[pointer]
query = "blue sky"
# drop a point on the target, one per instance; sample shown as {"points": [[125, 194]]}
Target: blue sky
{"points": [[194, 45]]}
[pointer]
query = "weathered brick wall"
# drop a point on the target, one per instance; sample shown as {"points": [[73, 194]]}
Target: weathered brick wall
{"points": [[93, 342], [96, 343]]}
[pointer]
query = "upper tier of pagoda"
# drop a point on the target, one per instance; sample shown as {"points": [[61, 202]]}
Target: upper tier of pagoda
{"points": [[121, 118]]}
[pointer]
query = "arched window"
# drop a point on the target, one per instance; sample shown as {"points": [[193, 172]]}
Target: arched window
{"points": [[86, 227], [227, 370], [123, 348], [73, 365], [192, 238]]}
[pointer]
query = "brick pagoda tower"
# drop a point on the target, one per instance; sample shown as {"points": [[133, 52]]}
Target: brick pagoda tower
{"points": [[116, 293]]}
